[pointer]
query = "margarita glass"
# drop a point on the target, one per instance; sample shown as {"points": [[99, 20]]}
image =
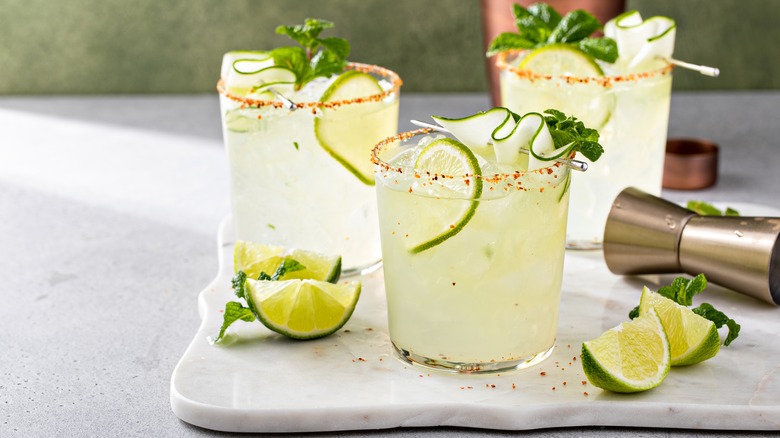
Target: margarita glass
{"points": [[630, 111], [473, 262], [299, 160]]}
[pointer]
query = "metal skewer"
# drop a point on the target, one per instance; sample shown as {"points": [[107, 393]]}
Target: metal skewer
{"points": [[292, 106], [703, 69], [573, 164]]}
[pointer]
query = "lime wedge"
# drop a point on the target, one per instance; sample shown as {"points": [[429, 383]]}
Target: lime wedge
{"points": [[348, 132], [254, 258], [449, 157], [302, 309], [589, 103], [692, 338], [632, 357]]}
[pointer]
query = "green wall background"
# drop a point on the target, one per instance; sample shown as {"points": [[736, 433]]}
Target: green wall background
{"points": [[175, 46]]}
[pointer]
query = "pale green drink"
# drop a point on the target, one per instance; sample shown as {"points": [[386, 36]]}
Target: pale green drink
{"points": [[485, 297], [630, 111], [302, 178]]}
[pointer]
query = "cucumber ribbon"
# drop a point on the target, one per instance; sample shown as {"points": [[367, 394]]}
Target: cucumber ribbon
{"points": [[510, 135], [640, 41]]}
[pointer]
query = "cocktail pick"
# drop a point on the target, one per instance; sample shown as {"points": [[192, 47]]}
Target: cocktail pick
{"points": [[649, 235], [573, 164], [289, 104], [703, 69]]}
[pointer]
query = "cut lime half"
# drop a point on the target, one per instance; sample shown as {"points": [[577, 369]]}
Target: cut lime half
{"points": [[348, 132], [302, 309], [587, 101], [692, 338], [454, 160], [632, 357], [254, 258]]}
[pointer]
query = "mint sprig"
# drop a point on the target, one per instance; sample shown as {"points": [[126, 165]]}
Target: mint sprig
{"points": [[234, 310], [569, 131], [315, 56], [706, 209], [682, 290], [540, 25]]}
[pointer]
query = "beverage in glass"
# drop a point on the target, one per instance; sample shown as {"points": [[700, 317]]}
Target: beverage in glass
{"points": [[472, 257], [630, 111], [300, 169]]}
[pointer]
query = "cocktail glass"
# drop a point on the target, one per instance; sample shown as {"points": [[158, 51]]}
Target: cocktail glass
{"points": [[472, 263], [630, 111], [300, 169]]}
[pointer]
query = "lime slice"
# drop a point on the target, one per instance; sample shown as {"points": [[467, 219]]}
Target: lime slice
{"points": [[631, 357], [254, 258], [449, 157], [692, 338], [302, 309], [348, 132], [589, 103]]}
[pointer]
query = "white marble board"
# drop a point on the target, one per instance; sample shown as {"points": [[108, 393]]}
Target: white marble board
{"points": [[351, 381]]}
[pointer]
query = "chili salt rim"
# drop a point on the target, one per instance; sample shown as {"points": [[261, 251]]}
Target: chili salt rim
{"points": [[493, 179], [604, 81], [363, 68]]}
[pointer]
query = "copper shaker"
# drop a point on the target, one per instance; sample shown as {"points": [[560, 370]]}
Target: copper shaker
{"points": [[649, 235]]}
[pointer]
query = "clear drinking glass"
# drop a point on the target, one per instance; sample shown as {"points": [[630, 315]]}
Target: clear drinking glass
{"points": [[300, 172], [631, 112], [472, 278]]}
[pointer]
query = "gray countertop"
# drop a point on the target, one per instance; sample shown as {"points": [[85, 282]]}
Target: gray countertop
{"points": [[110, 207]]}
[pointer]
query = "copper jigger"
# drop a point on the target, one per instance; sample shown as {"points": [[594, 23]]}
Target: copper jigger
{"points": [[649, 235]]}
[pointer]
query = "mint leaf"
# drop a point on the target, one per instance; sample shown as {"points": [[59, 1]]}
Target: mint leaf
{"points": [[604, 49], [239, 284], [682, 290], [634, 312], [234, 311], [545, 13], [541, 25], [706, 209], [533, 29], [574, 26], [706, 310], [316, 56], [569, 131], [305, 34], [509, 41], [288, 265]]}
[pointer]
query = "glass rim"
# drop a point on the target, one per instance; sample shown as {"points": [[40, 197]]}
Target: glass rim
{"points": [[606, 81], [512, 177], [395, 81]]}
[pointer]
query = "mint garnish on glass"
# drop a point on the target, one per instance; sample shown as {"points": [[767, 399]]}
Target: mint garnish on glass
{"points": [[540, 25], [315, 56], [568, 131]]}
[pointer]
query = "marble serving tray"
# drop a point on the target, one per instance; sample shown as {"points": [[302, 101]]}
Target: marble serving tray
{"points": [[263, 382]]}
